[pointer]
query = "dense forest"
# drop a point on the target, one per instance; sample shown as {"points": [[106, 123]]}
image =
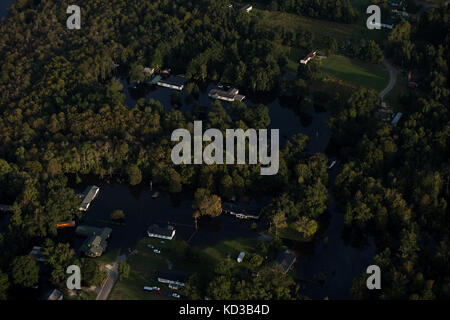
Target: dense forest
{"points": [[63, 116]]}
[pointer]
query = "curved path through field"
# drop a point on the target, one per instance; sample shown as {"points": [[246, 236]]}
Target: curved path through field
{"points": [[392, 78]]}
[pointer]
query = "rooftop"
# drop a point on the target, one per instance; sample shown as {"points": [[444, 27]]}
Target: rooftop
{"points": [[96, 243], [173, 275], [286, 260], [88, 195], [164, 231], [174, 80]]}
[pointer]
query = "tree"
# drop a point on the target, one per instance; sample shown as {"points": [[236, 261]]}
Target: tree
{"points": [[134, 175], [279, 221], [59, 257], [255, 261], [117, 215], [207, 204], [124, 270], [25, 271], [4, 285], [91, 273], [137, 73]]}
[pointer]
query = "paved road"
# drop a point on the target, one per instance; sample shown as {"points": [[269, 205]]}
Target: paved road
{"points": [[113, 275], [392, 78]]}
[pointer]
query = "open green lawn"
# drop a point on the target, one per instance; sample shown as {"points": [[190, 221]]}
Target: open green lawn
{"points": [[366, 75], [144, 265], [143, 268], [321, 28], [232, 248]]}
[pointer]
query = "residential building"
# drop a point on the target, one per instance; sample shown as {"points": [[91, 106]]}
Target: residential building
{"points": [[88, 196], [5, 208], [286, 260], [230, 95], [173, 277], [155, 231], [241, 212], [55, 295], [37, 253], [247, 8], [172, 82], [150, 71], [95, 243], [309, 57], [156, 79]]}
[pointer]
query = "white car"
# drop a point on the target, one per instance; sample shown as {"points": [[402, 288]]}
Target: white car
{"points": [[176, 295], [151, 246], [157, 251]]}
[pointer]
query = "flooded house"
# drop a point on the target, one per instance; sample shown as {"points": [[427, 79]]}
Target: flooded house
{"points": [[286, 260], [155, 231], [88, 196], [172, 82], [241, 212], [231, 95], [5, 208]]}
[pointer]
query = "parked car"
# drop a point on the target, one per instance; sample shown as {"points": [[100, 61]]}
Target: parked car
{"points": [[157, 251], [157, 291], [176, 295], [151, 246], [153, 288]]}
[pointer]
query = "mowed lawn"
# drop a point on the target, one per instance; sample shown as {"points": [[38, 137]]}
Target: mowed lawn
{"points": [[143, 268], [145, 265], [321, 28], [362, 74]]}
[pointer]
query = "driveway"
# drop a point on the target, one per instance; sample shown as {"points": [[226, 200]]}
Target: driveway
{"points": [[113, 275], [392, 78]]}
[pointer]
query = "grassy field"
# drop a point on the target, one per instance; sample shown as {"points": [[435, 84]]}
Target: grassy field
{"points": [[143, 269], [345, 69], [366, 75], [321, 28], [144, 265]]}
